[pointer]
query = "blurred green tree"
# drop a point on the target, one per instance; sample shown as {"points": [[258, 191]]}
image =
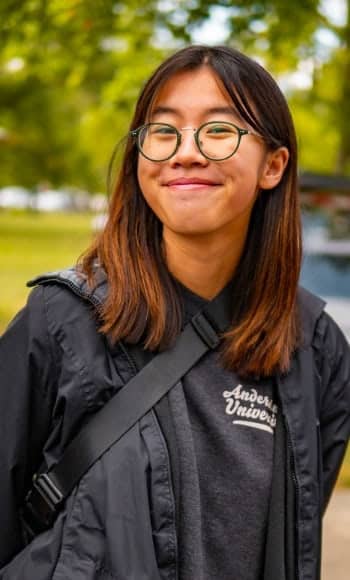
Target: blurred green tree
{"points": [[70, 71], [287, 35]]}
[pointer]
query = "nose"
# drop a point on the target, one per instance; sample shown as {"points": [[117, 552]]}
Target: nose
{"points": [[188, 152]]}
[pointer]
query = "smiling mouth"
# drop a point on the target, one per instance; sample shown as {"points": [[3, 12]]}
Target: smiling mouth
{"points": [[191, 185], [187, 184]]}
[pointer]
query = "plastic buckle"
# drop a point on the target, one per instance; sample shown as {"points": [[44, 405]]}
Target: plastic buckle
{"points": [[205, 330], [48, 490], [41, 504]]}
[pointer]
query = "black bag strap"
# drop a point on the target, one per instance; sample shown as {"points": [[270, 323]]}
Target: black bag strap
{"points": [[122, 412]]}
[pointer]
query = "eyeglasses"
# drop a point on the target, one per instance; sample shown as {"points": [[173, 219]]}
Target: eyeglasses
{"points": [[216, 140]]}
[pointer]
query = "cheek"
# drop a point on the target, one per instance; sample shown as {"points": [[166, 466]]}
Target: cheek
{"points": [[244, 172], [240, 181], [241, 188], [147, 176], [141, 174]]}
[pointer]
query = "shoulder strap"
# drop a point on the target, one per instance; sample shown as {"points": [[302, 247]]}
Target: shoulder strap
{"points": [[130, 404]]}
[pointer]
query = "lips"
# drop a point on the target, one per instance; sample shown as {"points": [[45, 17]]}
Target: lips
{"points": [[190, 182]]}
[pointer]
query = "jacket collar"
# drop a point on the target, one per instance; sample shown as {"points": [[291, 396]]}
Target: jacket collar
{"points": [[77, 282]]}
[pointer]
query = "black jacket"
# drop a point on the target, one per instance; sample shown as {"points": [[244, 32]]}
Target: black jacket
{"points": [[120, 521]]}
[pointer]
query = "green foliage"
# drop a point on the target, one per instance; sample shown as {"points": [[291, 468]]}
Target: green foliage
{"points": [[71, 70], [279, 31], [315, 113], [283, 35]]}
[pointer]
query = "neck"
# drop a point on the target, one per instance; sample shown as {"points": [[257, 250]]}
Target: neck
{"points": [[201, 263]]}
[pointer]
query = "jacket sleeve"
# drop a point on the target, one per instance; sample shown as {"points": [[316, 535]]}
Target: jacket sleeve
{"points": [[27, 373], [334, 369]]}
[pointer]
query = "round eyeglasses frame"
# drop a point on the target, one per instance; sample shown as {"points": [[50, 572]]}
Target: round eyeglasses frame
{"points": [[135, 133]]}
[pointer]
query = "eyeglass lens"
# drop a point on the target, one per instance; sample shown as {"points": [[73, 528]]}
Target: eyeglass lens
{"points": [[215, 140]]}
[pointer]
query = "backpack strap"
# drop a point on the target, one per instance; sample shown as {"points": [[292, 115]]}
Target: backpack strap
{"points": [[129, 405]]}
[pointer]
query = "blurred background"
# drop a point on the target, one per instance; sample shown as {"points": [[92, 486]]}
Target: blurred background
{"points": [[70, 72]]}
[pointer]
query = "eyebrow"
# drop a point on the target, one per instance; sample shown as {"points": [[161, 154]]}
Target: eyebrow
{"points": [[211, 111]]}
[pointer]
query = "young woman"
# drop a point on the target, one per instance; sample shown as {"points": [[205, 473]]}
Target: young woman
{"points": [[228, 475]]}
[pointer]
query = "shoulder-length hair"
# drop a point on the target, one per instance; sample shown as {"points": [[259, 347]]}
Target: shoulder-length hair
{"points": [[143, 303]]}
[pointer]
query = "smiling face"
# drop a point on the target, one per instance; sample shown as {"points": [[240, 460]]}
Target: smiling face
{"points": [[191, 195]]}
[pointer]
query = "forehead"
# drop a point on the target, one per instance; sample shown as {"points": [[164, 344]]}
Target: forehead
{"points": [[192, 90]]}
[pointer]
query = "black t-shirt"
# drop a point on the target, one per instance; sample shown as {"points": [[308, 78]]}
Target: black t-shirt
{"points": [[225, 433]]}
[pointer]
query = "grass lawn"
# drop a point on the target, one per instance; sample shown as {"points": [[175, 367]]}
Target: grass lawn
{"points": [[31, 244], [34, 243]]}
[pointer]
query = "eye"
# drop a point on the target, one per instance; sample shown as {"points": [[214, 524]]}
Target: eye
{"points": [[162, 130], [219, 129]]}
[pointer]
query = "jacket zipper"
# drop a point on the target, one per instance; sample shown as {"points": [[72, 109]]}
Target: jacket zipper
{"points": [[171, 490], [293, 475], [297, 492]]}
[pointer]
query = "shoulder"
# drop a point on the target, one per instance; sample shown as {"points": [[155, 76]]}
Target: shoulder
{"points": [[83, 351], [319, 329], [332, 349], [324, 360], [310, 310], [75, 281], [28, 354], [331, 364], [327, 341], [59, 304], [71, 304]]}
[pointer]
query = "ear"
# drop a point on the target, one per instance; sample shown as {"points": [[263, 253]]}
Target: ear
{"points": [[273, 169]]}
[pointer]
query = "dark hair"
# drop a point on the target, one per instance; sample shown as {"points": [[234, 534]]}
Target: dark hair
{"points": [[143, 302]]}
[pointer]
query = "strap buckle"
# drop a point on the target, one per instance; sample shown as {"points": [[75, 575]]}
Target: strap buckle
{"points": [[205, 330], [41, 505]]}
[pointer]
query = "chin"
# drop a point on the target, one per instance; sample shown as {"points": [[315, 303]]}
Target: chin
{"points": [[191, 229]]}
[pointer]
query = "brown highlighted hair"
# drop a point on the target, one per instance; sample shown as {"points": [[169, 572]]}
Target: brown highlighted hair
{"points": [[143, 304]]}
